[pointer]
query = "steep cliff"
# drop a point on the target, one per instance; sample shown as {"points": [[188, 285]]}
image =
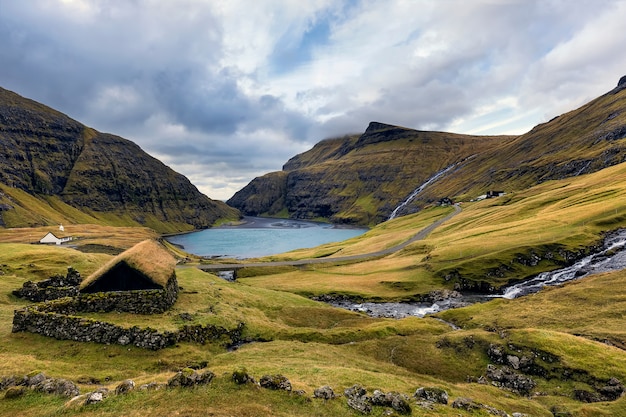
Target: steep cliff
{"points": [[47, 154], [361, 179]]}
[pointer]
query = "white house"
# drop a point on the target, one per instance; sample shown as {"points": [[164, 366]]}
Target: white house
{"points": [[51, 238]]}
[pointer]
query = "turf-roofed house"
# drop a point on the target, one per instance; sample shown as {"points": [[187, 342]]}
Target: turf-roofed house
{"points": [[140, 280]]}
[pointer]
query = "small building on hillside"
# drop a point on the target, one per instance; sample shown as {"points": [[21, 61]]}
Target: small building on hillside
{"points": [[50, 238], [139, 280], [494, 194]]}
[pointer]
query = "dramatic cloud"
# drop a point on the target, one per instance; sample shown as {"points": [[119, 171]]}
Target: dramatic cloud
{"points": [[226, 90]]}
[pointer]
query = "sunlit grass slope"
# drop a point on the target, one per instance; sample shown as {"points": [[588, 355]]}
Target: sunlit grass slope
{"points": [[309, 342], [486, 245]]}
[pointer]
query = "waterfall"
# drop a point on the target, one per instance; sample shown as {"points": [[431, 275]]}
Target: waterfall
{"points": [[611, 258], [418, 190]]}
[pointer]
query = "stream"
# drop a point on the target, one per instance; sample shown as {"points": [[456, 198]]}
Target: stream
{"points": [[611, 258]]}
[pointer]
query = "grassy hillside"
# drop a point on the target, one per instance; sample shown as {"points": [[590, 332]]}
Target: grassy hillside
{"points": [[581, 141], [359, 178], [573, 334], [55, 170], [362, 178]]}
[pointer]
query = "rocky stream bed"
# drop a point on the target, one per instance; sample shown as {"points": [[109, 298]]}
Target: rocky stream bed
{"points": [[612, 257]]}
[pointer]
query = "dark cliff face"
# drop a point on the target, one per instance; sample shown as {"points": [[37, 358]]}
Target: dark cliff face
{"points": [[44, 152], [362, 178], [358, 179]]}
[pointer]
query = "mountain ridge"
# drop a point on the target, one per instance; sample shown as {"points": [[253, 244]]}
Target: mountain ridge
{"points": [[45, 153], [318, 182]]}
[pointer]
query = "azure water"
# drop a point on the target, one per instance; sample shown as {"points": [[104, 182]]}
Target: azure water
{"points": [[259, 236]]}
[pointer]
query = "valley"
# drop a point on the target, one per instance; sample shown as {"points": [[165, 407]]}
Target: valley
{"points": [[557, 352]]}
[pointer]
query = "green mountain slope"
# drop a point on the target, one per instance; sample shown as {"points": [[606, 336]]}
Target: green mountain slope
{"points": [[65, 166], [361, 179]]}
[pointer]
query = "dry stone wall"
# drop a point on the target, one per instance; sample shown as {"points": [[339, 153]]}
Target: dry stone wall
{"points": [[57, 317], [54, 319]]}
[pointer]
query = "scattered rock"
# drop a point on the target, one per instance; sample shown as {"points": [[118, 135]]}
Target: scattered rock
{"points": [[504, 377], [612, 390], [275, 382], [432, 394], [151, 386], [97, 396], [360, 404], [398, 402], [358, 399], [7, 382], [355, 391], [241, 376], [35, 379], [125, 387], [61, 387], [325, 392], [558, 411], [94, 398], [465, 404], [189, 378], [15, 392], [185, 317]]}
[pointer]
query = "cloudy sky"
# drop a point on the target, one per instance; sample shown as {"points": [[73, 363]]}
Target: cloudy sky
{"points": [[227, 90]]}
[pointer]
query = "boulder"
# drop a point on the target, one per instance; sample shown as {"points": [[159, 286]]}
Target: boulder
{"points": [[325, 392], [400, 403], [355, 391], [468, 404], [61, 387], [241, 376], [360, 404], [504, 377], [189, 378], [15, 392], [275, 382], [432, 394], [125, 387], [358, 399]]}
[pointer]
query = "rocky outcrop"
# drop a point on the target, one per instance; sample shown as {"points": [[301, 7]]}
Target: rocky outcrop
{"points": [[57, 286], [432, 395], [38, 382], [275, 382], [190, 378], [516, 365], [45, 153], [324, 392]]}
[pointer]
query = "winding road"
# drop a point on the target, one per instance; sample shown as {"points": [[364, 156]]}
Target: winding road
{"points": [[418, 236]]}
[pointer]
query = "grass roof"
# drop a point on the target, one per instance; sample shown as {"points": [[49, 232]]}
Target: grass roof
{"points": [[148, 257]]}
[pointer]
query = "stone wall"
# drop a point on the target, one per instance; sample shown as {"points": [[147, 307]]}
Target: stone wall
{"points": [[57, 286], [55, 319]]}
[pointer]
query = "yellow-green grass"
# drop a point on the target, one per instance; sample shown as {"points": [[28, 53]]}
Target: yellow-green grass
{"points": [[307, 364], [36, 262], [83, 235], [309, 342], [33, 211], [593, 307], [386, 279]]}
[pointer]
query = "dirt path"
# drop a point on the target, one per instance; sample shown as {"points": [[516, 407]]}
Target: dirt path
{"points": [[418, 236]]}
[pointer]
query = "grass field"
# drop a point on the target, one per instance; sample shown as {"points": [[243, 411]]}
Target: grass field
{"points": [[580, 326]]}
